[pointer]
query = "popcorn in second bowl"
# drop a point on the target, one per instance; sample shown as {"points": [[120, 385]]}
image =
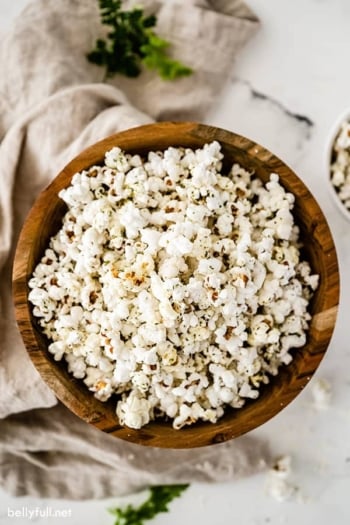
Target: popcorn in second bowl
{"points": [[174, 285], [338, 165]]}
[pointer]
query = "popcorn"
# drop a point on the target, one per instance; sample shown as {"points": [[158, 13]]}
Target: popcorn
{"points": [[321, 392], [132, 219], [176, 287], [279, 485], [57, 349], [150, 237], [340, 168], [116, 159], [209, 266], [134, 411], [175, 245]]}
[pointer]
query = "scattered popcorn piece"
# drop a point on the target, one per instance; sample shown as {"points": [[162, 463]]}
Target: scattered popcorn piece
{"points": [[278, 483], [174, 286], [321, 393]]}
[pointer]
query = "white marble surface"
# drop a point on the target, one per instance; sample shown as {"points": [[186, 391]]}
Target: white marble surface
{"points": [[288, 86]]}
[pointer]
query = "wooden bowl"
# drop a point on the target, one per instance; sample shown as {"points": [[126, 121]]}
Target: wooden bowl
{"points": [[44, 220]]}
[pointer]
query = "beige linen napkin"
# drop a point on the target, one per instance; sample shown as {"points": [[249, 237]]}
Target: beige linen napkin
{"points": [[53, 104]]}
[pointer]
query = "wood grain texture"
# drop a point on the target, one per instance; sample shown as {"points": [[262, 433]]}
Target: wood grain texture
{"points": [[44, 220]]}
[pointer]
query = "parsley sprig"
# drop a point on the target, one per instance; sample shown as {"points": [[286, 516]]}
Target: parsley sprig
{"points": [[131, 42], [159, 498]]}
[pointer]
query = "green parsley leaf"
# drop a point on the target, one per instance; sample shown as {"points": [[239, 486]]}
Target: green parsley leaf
{"points": [[155, 57], [131, 42], [159, 498]]}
